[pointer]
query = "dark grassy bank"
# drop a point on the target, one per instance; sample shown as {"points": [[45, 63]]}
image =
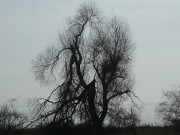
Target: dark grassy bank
{"points": [[87, 131]]}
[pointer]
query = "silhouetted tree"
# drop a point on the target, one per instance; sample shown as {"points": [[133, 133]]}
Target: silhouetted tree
{"points": [[125, 117], [122, 117], [169, 108], [91, 63], [11, 118]]}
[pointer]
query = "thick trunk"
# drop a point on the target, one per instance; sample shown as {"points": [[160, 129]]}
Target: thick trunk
{"points": [[91, 97], [97, 128], [96, 121]]}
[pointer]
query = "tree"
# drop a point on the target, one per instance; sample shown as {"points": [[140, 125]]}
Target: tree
{"points": [[122, 117], [93, 61], [11, 118], [169, 108]]}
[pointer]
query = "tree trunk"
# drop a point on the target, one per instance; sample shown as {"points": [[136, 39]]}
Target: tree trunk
{"points": [[97, 127], [96, 121]]}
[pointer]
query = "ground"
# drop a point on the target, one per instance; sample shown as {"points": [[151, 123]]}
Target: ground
{"points": [[83, 131]]}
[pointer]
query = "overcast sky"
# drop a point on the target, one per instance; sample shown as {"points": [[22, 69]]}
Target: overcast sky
{"points": [[28, 27]]}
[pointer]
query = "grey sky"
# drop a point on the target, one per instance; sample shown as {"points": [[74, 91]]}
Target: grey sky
{"points": [[27, 27]]}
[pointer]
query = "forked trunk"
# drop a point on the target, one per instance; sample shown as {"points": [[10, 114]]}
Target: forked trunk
{"points": [[96, 121]]}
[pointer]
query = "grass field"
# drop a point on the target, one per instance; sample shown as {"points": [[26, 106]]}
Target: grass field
{"points": [[80, 131]]}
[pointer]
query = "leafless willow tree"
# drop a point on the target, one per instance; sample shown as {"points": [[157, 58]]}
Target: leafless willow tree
{"points": [[169, 108], [92, 64]]}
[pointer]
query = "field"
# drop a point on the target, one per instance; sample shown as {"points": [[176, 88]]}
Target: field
{"points": [[84, 131]]}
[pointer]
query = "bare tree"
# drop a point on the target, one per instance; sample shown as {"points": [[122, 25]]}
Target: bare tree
{"points": [[169, 108], [93, 61], [9, 117], [125, 117]]}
